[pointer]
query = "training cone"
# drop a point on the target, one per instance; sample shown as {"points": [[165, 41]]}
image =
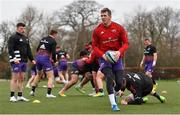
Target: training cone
{"points": [[36, 101], [164, 92]]}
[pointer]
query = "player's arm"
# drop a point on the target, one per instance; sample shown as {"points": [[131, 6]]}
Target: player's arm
{"points": [[142, 61], [11, 45], [54, 52], [29, 52], [95, 44], [137, 101], [91, 57], [154, 56], [67, 56], [137, 96], [124, 41]]}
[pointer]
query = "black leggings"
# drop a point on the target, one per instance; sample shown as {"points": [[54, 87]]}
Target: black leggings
{"points": [[113, 79]]}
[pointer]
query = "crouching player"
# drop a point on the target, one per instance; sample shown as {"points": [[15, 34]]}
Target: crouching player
{"points": [[78, 68], [140, 86]]}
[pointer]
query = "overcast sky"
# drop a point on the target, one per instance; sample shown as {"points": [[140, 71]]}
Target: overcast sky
{"points": [[11, 9]]}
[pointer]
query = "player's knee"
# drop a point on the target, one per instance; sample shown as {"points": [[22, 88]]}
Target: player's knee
{"points": [[89, 76], [74, 79]]}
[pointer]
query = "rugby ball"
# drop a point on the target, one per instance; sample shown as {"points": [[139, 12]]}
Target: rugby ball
{"points": [[110, 55]]}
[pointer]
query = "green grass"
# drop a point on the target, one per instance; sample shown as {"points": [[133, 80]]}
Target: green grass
{"points": [[76, 103]]}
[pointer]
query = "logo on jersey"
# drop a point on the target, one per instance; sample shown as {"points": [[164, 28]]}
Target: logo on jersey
{"points": [[21, 40], [136, 76], [102, 32], [42, 46], [44, 41], [113, 30]]}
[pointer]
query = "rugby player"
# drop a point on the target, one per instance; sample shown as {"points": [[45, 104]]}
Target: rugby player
{"points": [[46, 49], [110, 36]]}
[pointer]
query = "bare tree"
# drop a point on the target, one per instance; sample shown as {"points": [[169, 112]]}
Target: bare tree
{"points": [[80, 16], [32, 19], [136, 27], [6, 30], [162, 26]]}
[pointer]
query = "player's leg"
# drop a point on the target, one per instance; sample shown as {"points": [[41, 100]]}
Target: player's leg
{"points": [[66, 75], [60, 73], [148, 71], [33, 74], [35, 82], [110, 83], [20, 87], [21, 82], [119, 82], [62, 67], [99, 80], [95, 87], [95, 68], [118, 79], [28, 85], [74, 79], [13, 86], [162, 99], [87, 77], [50, 76]]}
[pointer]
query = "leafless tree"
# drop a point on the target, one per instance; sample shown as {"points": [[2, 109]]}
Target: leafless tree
{"points": [[32, 19], [6, 30], [162, 26], [80, 16]]}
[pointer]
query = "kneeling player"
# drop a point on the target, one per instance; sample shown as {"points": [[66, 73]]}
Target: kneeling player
{"points": [[140, 86]]}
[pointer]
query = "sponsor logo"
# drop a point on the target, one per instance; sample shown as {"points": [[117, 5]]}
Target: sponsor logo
{"points": [[44, 41], [110, 40], [102, 32], [113, 30]]}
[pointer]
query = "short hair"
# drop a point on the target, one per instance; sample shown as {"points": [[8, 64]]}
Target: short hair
{"points": [[90, 43], [58, 46], [52, 32], [20, 24], [83, 53], [106, 10], [147, 39]]}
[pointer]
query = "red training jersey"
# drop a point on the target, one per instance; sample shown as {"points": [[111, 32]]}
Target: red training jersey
{"points": [[113, 37]]}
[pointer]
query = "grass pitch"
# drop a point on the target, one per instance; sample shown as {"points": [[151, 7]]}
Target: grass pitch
{"points": [[76, 103]]}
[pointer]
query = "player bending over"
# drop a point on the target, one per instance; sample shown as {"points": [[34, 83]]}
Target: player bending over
{"points": [[78, 68], [140, 86]]}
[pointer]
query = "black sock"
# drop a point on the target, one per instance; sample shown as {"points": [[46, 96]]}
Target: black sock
{"points": [[157, 96], [49, 91], [33, 88], [12, 93], [19, 94], [101, 90]]}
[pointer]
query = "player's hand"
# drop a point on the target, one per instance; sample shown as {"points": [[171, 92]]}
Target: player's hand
{"points": [[56, 63], [117, 54], [123, 102], [34, 62], [104, 57], [16, 61], [154, 63], [121, 93], [141, 64], [85, 58]]}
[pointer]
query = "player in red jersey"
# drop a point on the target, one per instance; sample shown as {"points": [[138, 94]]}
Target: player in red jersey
{"points": [[110, 36]]}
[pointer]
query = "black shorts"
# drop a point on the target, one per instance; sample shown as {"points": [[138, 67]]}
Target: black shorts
{"points": [[147, 90], [94, 66]]}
